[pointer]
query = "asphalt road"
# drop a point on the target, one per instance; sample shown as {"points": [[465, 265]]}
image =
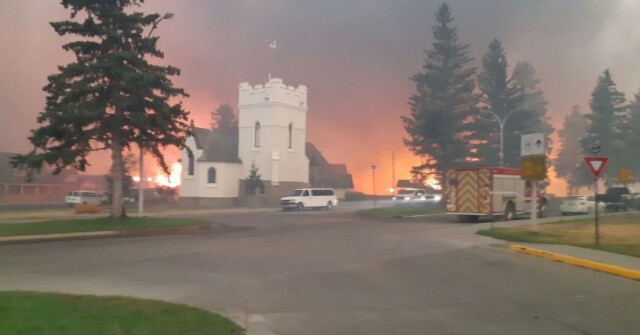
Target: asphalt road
{"points": [[321, 272]]}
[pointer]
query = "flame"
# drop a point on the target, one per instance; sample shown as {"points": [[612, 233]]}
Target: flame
{"points": [[173, 180]]}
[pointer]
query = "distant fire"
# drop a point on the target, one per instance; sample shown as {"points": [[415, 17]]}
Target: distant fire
{"points": [[433, 183], [161, 179], [173, 180]]}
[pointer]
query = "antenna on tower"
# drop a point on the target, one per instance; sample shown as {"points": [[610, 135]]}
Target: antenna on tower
{"points": [[269, 76]]}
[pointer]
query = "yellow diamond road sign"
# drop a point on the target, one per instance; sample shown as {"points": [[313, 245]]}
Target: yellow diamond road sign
{"points": [[624, 174], [534, 167]]}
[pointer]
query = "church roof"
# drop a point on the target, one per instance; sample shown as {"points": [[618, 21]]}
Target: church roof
{"points": [[221, 147], [314, 155], [200, 135], [325, 174]]}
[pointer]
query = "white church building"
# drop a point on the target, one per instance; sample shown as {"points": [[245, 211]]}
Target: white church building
{"points": [[272, 121]]}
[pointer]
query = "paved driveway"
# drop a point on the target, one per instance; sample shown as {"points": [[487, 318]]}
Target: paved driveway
{"points": [[320, 272]]}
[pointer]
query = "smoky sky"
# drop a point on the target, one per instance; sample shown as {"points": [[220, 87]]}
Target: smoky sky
{"points": [[355, 56]]}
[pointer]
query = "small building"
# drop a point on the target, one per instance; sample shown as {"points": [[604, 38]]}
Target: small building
{"points": [[22, 186]]}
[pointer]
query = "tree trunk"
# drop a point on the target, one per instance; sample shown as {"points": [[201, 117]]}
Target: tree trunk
{"points": [[117, 171]]}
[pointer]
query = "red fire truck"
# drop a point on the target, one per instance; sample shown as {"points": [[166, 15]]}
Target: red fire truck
{"points": [[490, 192]]}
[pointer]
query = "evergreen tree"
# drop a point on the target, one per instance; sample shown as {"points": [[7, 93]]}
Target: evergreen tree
{"points": [[223, 119], [569, 164], [499, 97], [109, 98], [253, 182], [516, 100], [632, 138], [444, 103], [533, 117], [606, 121]]}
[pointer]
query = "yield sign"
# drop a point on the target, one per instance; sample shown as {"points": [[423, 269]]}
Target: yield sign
{"points": [[596, 164]]}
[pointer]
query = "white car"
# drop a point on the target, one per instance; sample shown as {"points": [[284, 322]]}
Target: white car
{"points": [[415, 197], [82, 197], [310, 198], [580, 204]]}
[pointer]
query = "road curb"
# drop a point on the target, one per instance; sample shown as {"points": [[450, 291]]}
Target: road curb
{"points": [[597, 266]]}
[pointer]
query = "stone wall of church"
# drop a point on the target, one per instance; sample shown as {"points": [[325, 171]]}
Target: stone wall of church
{"points": [[271, 196]]}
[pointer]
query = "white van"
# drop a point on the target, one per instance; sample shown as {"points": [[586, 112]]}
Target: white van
{"points": [[83, 197], [310, 198]]}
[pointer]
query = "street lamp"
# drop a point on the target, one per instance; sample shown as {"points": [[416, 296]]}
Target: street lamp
{"points": [[501, 122], [373, 174], [166, 16]]}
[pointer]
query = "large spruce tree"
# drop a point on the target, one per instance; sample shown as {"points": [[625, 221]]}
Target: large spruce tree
{"points": [[606, 121], [632, 135], [569, 164], [516, 100], [498, 97], [111, 97], [444, 102], [533, 117]]}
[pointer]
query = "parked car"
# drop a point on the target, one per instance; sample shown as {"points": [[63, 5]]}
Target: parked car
{"points": [[310, 198], [580, 204], [83, 197], [616, 198], [415, 197]]}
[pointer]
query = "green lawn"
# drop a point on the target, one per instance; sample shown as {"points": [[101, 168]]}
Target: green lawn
{"points": [[401, 211], [98, 224], [619, 234], [33, 313]]}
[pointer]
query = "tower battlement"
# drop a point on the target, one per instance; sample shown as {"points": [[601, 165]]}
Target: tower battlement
{"points": [[273, 91]]}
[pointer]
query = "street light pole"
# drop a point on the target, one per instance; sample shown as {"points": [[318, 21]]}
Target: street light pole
{"points": [[141, 159], [373, 174], [501, 122]]}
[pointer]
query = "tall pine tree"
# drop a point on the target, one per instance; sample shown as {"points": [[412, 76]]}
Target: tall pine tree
{"points": [[569, 165], [498, 97], [533, 118], [606, 121], [111, 97], [444, 102], [516, 100], [632, 137]]}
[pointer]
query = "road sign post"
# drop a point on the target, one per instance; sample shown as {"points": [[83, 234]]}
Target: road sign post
{"points": [[596, 165], [534, 166]]}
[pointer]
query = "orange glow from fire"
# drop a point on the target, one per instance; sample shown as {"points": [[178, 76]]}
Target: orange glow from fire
{"points": [[173, 179]]}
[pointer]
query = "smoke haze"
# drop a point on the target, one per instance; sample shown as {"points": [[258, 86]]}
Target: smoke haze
{"points": [[356, 57]]}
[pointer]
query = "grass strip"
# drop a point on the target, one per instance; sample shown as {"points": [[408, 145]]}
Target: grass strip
{"points": [[52, 314], [618, 234]]}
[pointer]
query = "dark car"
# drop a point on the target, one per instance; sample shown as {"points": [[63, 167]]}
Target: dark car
{"points": [[616, 198]]}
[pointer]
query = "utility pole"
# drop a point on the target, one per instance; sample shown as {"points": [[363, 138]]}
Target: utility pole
{"points": [[501, 123], [140, 144], [373, 174], [393, 171]]}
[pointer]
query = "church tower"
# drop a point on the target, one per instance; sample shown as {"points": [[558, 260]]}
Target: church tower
{"points": [[272, 122]]}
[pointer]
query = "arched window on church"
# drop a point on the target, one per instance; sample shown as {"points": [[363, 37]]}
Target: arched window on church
{"points": [[290, 135], [257, 135], [190, 167], [211, 175]]}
